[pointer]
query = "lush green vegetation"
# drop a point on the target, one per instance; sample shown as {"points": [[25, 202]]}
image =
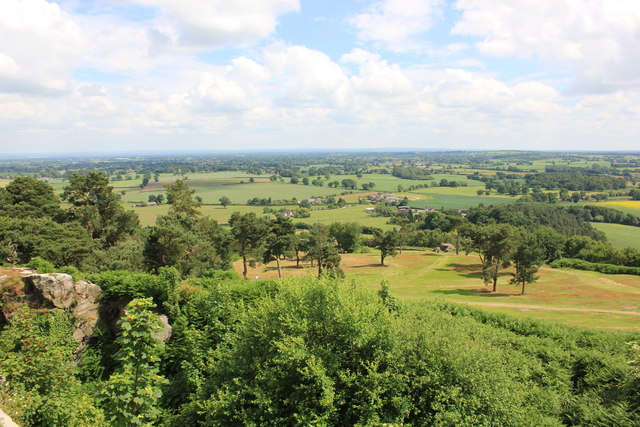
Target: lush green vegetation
{"points": [[364, 338]]}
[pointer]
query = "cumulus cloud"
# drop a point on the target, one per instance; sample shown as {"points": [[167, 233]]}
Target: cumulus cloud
{"points": [[597, 39], [214, 23], [39, 46], [306, 77], [395, 23]]}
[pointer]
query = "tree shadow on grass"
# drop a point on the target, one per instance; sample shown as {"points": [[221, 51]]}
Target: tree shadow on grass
{"points": [[368, 266], [471, 292], [288, 267], [471, 273]]}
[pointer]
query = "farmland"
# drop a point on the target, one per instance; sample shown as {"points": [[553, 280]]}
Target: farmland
{"points": [[622, 236]]}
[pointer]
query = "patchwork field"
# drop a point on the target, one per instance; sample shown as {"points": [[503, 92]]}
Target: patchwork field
{"points": [[574, 297]]}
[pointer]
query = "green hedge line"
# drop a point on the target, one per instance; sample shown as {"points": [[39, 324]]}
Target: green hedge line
{"points": [[579, 264]]}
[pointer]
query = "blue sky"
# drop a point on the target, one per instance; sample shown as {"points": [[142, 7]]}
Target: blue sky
{"points": [[149, 75]]}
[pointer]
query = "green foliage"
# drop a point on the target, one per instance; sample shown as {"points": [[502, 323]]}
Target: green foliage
{"points": [[39, 385], [40, 265], [26, 197], [125, 285], [347, 235], [387, 242], [131, 394], [279, 240], [320, 352], [180, 197], [248, 233], [62, 244], [322, 248], [533, 215], [495, 244], [579, 264], [190, 244], [126, 254], [411, 172], [97, 207], [527, 258], [575, 181]]}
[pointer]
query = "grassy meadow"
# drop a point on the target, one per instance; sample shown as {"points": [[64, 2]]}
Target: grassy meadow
{"points": [[580, 298], [621, 236]]}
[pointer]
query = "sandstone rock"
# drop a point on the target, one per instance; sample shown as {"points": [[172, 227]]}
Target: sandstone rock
{"points": [[165, 333], [86, 310], [56, 289]]}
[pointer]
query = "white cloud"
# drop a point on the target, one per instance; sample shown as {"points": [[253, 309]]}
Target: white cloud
{"points": [[39, 46], [598, 39], [376, 77], [395, 23], [306, 77], [214, 23]]}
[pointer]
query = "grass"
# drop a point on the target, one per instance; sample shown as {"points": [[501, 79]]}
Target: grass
{"points": [[621, 236], [347, 214], [457, 201], [580, 298], [356, 213]]}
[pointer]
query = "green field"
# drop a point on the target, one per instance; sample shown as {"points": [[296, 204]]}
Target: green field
{"points": [[621, 236], [456, 201], [581, 298], [326, 216], [212, 186]]}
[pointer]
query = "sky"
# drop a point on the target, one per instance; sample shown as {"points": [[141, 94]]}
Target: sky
{"points": [[155, 75]]}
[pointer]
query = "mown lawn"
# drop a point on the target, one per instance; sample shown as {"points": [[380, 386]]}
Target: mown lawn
{"points": [[574, 297]]}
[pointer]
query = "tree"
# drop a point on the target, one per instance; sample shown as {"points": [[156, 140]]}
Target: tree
{"points": [[347, 235], [191, 244], [405, 229], [279, 240], [457, 223], [224, 201], [527, 258], [180, 197], [300, 244], [98, 208], [349, 184], [27, 197], [322, 248], [495, 244], [248, 232], [387, 242], [132, 392]]}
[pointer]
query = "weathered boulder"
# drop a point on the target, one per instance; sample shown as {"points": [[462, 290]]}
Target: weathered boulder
{"points": [[57, 290], [54, 289], [165, 332], [86, 310]]}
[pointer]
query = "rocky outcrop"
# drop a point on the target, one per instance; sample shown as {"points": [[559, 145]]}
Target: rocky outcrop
{"points": [[58, 291], [55, 290]]}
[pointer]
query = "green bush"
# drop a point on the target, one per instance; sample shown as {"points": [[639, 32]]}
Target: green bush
{"points": [[42, 266], [124, 285], [579, 264]]}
